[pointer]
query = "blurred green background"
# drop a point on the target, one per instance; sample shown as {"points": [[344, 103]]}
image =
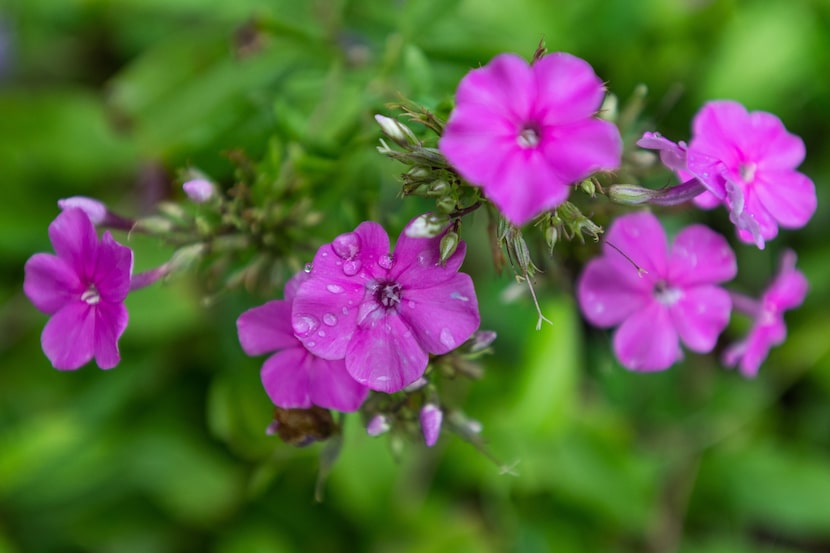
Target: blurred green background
{"points": [[167, 452]]}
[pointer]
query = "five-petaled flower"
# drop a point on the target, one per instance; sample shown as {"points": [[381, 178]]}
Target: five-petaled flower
{"points": [[658, 296], [748, 161], [525, 133], [786, 292], [384, 313], [83, 288], [293, 377]]}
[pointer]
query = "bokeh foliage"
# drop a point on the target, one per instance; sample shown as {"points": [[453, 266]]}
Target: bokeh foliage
{"points": [[167, 451]]}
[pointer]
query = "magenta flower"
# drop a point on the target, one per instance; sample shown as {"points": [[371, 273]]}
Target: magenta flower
{"points": [[672, 297], [384, 313], [748, 161], [786, 292], [524, 133], [83, 288], [293, 377]]}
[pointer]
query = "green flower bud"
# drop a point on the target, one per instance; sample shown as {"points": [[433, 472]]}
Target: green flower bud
{"points": [[448, 245], [397, 131]]}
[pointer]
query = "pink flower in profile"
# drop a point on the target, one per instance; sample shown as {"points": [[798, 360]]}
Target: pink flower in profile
{"points": [[384, 314], [524, 133], [293, 377], [748, 161], [83, 288], [673, 297], [786, 292]]}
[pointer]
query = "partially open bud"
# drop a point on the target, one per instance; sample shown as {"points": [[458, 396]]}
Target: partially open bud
{"points": [[631, 194], [379, 424], [97, 211], [199, 190], [428, 225], [397, 131], [431, 418]]}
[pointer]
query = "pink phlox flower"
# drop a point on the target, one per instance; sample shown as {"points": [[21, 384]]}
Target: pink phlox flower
{"points": [[786, 292], [673, 297], [384, 314], [83, 288], [748, 161], [293, 377], [525, 133]]}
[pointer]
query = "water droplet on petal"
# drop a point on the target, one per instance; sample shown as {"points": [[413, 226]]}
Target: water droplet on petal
{"points": [[346, 245], [305, 324], [459, 296], [351, 267], [311, 344], [308, 267], [411, 304], [446, 338], [334, 288], [322, 334], [386, 262], [345, 310], [330, 319]]}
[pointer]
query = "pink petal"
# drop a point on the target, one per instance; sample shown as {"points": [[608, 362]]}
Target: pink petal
{"points": [[525, 185], [50, 283], [385, 355], [443, 316], [789, 196], [755, 224], [285, 378], [475, 140], [74, 240], [672, 154], [647, 341], [568, 89], [770, 145], [266, 328], [110, 323], [717, 128], [706, 200], [113, 269], [700, 315], [577, 150], [293, 284], [751, 352], [639, 236], [608, 296], [506, 85], [700, 256], [417, 261], [68, 339], [790, 286], [332, 387]]}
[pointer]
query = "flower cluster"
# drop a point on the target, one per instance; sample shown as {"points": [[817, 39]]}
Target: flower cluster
{"points": [[369, 328]]}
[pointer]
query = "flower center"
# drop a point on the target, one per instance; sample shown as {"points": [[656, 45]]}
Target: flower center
{"points": [[91, 296], [747, 171], [667, 295], [528, 136], [388, 294]]}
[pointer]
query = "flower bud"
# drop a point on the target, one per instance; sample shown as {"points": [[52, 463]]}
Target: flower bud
{"points": [[431, 418], [199, 190], [379, 424], [482, 340], [630, 194], [446, 204], [551, 236], [428, 225], [588, 187], [448, 245], [94, 209], [397, 131]]}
